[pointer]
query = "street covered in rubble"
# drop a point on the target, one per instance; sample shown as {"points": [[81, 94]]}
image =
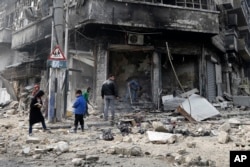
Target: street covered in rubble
{"points": [[138, 138]]}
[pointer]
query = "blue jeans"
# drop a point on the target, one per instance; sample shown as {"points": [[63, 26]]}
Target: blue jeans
{"points": [[133, 93], [109, 101]]}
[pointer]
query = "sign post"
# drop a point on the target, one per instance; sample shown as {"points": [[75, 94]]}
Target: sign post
{"points": [[55, 61]]}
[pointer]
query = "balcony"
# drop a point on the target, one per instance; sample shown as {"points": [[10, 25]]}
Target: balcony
{"points": [[244, 51], [34, 32], [22, 70], [149, 15], [242, 10], [5, 35]]}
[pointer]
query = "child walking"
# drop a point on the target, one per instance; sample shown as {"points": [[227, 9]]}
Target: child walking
{"points": [[79, 110]]}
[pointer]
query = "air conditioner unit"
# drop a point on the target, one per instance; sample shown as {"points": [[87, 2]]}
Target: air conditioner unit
{"points": [[135, 39]]}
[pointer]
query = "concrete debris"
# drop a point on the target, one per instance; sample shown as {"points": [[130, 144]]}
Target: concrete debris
{"points": [[62, 147], [171, 103], [227, 96], [241, 100], [77, 161], [160, 127], [146, 139], [225, 127], [197, 108], [160, 137], [33, 140], [189, 93], [223, 137]]}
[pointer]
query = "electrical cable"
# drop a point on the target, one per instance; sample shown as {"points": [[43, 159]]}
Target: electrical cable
{"points": [[176, 77]]}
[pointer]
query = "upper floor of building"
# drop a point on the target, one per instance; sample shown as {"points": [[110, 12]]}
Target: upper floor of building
{"points": [[23, 22]]}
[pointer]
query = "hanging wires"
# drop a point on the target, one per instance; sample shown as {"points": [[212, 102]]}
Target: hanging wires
{"points": [[176, 77]]}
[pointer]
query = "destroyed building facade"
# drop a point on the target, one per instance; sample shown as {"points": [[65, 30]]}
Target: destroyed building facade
{"points": [[165, 44]]}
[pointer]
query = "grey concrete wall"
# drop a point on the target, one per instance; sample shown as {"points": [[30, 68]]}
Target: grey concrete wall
{"points": [[9, 57], [101, 71]]}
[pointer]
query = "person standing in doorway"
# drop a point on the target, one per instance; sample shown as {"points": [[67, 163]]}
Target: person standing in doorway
{"points": [[35, 111], [109, 94], [133, 87], [79, 106]]}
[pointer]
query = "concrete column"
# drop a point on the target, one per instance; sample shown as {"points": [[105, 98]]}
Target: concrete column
{"points": [[101, 72], [156, 77]]}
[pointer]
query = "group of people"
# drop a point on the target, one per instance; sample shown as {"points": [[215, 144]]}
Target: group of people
{"points": [[108, 93], [80, 106]]}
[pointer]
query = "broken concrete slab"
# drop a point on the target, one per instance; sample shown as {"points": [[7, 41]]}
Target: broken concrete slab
{"points": [[197, 108], [170, 102], [241, 100], [160, 137]]}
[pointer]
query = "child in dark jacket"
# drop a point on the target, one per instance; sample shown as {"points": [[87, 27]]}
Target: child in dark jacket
{"points": [[79, 110]]}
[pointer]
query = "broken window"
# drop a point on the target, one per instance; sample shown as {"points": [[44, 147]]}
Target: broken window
{"points": [[20, 5], [196, 4]]}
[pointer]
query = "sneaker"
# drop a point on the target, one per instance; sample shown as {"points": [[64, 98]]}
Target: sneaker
{"points": [[30, 134]]}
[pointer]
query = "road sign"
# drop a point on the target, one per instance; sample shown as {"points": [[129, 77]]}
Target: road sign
{"points": [[57, 63], [57, 54]]}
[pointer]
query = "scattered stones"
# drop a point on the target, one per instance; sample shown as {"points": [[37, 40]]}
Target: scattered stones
{"points": [[33, 140], [62, 147], [180, 144], [77, 161], [26, 150], [223, 137]]}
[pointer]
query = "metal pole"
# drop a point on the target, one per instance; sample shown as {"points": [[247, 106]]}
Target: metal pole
{"points": [[51, 74], [66, 56]]}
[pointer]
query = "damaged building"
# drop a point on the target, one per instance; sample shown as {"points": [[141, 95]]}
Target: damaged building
{"points": [[168, 45]]}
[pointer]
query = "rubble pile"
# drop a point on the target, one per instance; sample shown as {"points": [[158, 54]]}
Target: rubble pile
{"points": [[136, 139]]}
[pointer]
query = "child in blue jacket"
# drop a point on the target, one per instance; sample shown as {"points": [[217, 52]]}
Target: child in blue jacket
{"points": [[79, 110]]}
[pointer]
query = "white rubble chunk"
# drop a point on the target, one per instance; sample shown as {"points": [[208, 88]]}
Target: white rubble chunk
{"points": [[159, 137], [62, 147], [223, 137]]}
